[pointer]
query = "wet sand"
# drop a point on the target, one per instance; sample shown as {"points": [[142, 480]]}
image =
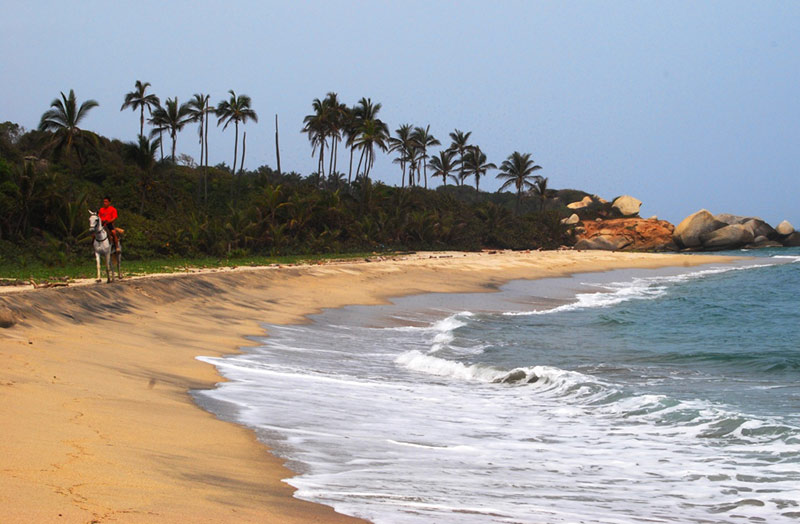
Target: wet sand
{"points": [[98, 423]]}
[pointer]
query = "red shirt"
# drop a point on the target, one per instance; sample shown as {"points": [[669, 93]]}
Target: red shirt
{"points": [[107, 214]]}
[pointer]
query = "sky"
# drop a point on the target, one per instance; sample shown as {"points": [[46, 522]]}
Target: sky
{"points": [[682, 104]]}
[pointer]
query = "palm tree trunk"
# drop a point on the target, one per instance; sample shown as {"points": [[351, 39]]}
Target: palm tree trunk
{"points": [[141, 122], [244, 149], [277, 147], [174, 140], [359, 162], [235, 148], [333, 152], [403, 180], [350, 172], [425, 170], [321, 170]]}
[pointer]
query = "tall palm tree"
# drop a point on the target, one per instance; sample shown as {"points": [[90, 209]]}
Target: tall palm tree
{"points": [[198, 112], [236, 109], [475, 165], [63, 118], [171, 118], [517, 170], [401, 143], [137, 99], [350, 132], [459, 142], [337, 113], [316, 127], [424, 138], [373, 133], [443, 165]]}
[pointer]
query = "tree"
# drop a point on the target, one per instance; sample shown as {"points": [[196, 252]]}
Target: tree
{"points": [[540, 189], [199, 111], [402, 144], [236, 109], [424, 138], [63, 119], [373, 133], [459, 144], [337, 116], [137, 99], [171, 118], [443, 165], [475, 165], [517, 170], [316, 127], [143, 154]]}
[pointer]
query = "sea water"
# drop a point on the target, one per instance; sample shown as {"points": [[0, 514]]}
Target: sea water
{"points": [[666, 395]]}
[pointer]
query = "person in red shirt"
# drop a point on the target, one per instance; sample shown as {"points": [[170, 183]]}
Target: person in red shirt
{"points": [[108, 214]]}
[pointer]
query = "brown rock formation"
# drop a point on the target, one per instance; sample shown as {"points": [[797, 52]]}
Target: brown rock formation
{"points": [[627, 234]]}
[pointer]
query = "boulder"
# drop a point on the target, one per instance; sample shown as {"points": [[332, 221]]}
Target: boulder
{"points": [[573, 219], [631, 234], [627, 205], [792, 240], [732, 219], [760, 228], [785, 228], [687, 233], [7, 318], [587, 200], [728, 237], [763, 242]]}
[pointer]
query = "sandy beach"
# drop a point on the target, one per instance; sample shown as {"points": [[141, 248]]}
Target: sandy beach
{"points": [[98, 423]]}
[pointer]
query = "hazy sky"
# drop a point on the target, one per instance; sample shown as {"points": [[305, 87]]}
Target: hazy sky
{"points": [[684, 105]]}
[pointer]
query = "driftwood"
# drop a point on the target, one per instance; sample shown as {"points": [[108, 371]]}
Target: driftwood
{"points": [[48, 284]]}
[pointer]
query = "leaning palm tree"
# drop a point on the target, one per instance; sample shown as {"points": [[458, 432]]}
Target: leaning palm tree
{"points": [[63, 118], [424, 138], [517, 170], [316, 126], [459, 144], [443, 165], [137, 99], [236, 109], [337, 113], [475, 165], [171, 118], [373, 133]]}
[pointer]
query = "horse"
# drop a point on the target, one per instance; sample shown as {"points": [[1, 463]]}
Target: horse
{"points": [[102, 246]]}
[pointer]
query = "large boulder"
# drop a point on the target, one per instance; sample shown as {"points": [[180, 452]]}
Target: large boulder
{"points": [[759, 228], [627, 205], [728, 237], [572, 220], [688, 232], [630, 234], [785, 228], [792, 240], [732, 219], [587, 200]]}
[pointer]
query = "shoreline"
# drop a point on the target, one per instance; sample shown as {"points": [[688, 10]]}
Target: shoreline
{"points": [[92, 426]]}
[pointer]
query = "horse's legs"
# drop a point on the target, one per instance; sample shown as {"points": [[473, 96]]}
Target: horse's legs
{"points": [[117, 258], [97, 257], [108, 267]]}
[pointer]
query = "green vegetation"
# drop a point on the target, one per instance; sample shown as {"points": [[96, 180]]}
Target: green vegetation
{"points": [[177, 212]]}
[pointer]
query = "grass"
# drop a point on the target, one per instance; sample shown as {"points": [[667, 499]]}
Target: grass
{"points": [[22, 272]]}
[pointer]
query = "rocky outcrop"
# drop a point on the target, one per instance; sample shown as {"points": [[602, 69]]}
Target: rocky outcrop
{"points": [[687, 233], [572, 220], [587, 200], [629, 234], [728, 237], [785, 228], [627, 206], [792, 240]]}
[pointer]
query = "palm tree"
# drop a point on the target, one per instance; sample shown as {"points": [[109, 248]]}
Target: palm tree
{"points": [[475, 165], [401, 143], [337, 113], [517, 170], [373, 133], [200, 111], [137, 99], [459, 144], [316, 127], [143, 154], [540, 189], [63, 118], [171, 118], [236, 109], [443, 165], [424, 139]]}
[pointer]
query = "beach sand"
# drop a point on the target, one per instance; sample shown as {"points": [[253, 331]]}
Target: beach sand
{"points": [[98, 423]]}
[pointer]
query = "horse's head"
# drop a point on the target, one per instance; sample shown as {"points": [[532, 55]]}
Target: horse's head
{"points": [[94, 221]]}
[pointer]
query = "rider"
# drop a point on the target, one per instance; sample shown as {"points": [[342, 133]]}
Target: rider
{"points": [[108, 214]]}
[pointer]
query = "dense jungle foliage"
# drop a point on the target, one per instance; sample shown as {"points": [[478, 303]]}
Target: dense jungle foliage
{"points": [[51, 177]]}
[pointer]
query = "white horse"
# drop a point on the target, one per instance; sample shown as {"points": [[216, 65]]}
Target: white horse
{"points": [[102, 246]]}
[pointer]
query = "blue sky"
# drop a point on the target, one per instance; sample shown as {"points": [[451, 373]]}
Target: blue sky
{"points": [[685, 105]]}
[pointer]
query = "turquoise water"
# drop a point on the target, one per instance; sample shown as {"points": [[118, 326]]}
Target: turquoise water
{"points": [[630, 396]]}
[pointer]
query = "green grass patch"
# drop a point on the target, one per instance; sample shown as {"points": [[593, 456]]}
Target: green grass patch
{"points": [[23, 271]]}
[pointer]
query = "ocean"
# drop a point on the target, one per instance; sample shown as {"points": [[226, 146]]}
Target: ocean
{"points": [[629, 396]]}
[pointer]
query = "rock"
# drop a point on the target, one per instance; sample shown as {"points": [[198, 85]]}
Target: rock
{"points": [[728, 237], [687, 233], [514, 376], [627, 205], [785, 228], [587, 200], [573, 219], [763, 242], [732, 219], [632, 234], [654, 217], [7, 318], [760, 228], [792, 240], [603, 242]]}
